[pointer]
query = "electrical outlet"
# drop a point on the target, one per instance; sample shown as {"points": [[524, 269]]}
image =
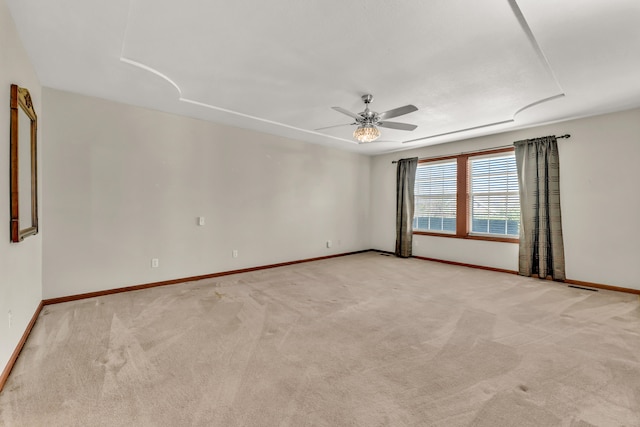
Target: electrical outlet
{"points": [[234, 253], [200, 220], [155, 263], [328, 243]]}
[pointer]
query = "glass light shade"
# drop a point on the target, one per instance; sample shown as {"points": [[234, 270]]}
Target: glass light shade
{"points": [[366, 133]]}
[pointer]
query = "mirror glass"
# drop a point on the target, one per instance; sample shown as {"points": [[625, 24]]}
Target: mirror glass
{"points": [[24, 168]]}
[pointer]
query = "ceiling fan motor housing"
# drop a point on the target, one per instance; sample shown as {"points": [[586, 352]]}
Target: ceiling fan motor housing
{"points": [[368, 116]]}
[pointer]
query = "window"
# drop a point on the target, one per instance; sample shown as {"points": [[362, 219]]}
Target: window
{"points": [[435, 197], [495, 201], [471, 196]]}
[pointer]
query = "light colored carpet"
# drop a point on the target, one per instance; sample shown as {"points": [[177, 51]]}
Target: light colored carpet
{"points": [[364, 340]]}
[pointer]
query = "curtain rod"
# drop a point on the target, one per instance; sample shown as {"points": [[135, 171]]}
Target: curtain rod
{"points": [[567, 136]]}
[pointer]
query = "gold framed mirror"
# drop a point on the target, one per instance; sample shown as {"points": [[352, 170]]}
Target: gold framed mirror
{"points": [[23, 164]]}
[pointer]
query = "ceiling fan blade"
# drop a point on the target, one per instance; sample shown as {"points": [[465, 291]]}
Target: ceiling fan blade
{"points": [[396, 125], [336, 126], [400, 111], [347, 112]]}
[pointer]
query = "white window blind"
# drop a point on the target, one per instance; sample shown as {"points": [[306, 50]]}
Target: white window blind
{"points": [[435, 197], [495, 200]]}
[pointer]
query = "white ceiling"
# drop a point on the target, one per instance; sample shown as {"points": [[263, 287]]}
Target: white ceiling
{"points": [[471, 67]]}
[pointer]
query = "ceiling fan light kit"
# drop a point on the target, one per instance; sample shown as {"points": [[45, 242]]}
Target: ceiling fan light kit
{"points": [[366, 133], [368, 121]]}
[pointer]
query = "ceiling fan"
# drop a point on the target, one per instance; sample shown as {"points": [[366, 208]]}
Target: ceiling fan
{"points": [[368, 121]]}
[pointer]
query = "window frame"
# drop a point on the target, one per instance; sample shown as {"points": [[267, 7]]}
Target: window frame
{"points": [[463, 184]]}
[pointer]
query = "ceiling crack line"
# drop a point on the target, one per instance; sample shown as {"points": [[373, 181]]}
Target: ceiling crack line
{"points": [[459, 131], [152, 71], [220, 109], [533, 104], [534, 42], [248, 116]]}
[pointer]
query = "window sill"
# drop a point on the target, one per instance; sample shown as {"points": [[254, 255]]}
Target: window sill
{"points": [[469, 237]]}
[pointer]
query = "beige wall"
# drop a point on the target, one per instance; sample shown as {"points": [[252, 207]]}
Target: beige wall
{"points": [[20, 263], [126, 184], [599, 179]]}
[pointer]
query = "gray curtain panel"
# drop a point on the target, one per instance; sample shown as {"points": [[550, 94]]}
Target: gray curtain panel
{"points": [[541, 245], [405, 183]]}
